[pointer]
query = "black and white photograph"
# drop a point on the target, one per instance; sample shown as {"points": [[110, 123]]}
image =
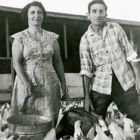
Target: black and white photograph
{"points": [[69, 70]]}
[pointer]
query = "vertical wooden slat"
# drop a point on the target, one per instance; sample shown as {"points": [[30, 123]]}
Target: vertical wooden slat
{"points": [[131, 37], [65, 40], [12, 73], [7, 37]]}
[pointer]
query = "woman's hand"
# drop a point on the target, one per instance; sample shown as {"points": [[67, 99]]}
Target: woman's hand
{"points": [[64, 92], [27, 87]]}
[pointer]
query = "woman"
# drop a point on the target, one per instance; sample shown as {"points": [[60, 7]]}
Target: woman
{"points": [[39, 68]]}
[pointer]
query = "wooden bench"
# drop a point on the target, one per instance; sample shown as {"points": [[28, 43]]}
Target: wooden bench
{"points": [[73, 80], [5, 88], [6, 79], [74, 84]]}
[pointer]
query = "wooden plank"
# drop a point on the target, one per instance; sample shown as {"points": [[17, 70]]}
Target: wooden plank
{"points": [[69, 16], [5, 58], [75, 92], [65, 40], [74, 84], [5, 65], [5, 97], [5, 81], [7, 37], [73, 79], [12, 74], [131, 33]]}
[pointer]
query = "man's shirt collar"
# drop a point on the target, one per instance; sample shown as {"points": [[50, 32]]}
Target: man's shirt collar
{"points": [[90, 32]]}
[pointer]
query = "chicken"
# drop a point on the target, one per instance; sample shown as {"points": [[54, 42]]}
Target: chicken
{"points": [[116, 131], [5, 111], [110, 110], [90, 134], [50, 135], [5, 133], [81, 104], [108, 118], [102, 124], [100, 134], [60, 116], [128, 128], [77, 130], [66, 106]]}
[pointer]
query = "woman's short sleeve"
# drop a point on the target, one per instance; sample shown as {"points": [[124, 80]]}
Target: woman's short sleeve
{"points": [[55, 36], [16, 36]]}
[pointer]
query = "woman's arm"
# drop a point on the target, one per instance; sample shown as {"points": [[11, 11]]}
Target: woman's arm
{"points": [[17, 54], [58, 66]]}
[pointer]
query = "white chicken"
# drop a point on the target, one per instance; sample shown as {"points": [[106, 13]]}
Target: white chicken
{"points": [[60, 116], [89, 136], [110, 109], [67, 106], [5, 111], [100, 134], [77, 130], [116, 131], [128, 128], [4, 134], [50, 135], [81, 104], [102, 124]]}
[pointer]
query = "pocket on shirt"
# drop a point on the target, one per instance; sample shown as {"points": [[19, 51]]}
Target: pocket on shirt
{"points": [[99, 57]]}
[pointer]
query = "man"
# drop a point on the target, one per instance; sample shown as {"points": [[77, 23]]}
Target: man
{"points": [[107, 67]]}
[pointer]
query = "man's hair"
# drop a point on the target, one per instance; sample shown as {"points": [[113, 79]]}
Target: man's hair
{"points": [[95, 2], [24, 11]]}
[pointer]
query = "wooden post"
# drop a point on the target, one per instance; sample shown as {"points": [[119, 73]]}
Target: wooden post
{"points": [[132, 38], [7, 37], [12, 73], [65, 40]]}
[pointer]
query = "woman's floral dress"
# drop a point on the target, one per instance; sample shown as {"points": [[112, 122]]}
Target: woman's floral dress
{"points": [[38, 67]]}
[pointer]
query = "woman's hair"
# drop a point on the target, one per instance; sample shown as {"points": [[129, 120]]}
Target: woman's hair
{"points": [[24, 11]]}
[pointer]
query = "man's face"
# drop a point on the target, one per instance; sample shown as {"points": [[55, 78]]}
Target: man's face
{"points": [[97, 14]]}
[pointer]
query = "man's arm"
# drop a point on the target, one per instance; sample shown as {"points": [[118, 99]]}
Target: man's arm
{"points": [[86, 70], [130, 55], [86, 88], [125, 44]]}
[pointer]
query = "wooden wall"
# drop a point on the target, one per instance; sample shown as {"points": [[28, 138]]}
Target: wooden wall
{"points": [[70, 28]]}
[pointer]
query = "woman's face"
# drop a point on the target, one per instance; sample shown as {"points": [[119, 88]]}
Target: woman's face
{"points": [[35, 16]]}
